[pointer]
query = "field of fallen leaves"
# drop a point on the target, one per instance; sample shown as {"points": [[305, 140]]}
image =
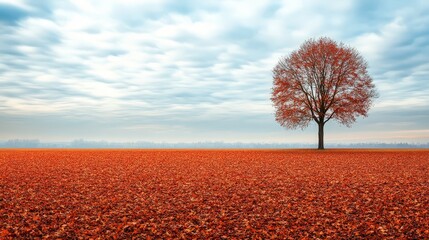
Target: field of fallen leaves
{"points": [[214, 193]]}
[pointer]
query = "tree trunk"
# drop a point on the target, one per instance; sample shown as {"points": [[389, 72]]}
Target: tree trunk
{"points": [[321, 143]]}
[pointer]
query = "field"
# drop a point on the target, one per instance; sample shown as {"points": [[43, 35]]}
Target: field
{"points": [[214, 193]]}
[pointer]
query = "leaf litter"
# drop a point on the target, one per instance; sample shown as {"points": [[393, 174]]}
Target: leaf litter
{"points": [[195, 194]]}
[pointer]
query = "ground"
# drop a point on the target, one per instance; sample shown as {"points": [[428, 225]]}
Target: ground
{"points": [[214, 193]]}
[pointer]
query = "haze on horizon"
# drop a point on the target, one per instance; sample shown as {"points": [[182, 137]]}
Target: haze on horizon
{"points": [[190, 71]]}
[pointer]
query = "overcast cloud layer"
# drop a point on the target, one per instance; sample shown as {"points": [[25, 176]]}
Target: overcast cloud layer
{"points": [[159, 70]]}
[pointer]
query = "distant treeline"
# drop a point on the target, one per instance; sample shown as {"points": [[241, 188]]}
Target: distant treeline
{"points": [[26, 143]]}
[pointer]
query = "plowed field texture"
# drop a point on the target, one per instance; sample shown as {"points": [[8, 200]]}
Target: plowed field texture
{"points": [[199, 194]]}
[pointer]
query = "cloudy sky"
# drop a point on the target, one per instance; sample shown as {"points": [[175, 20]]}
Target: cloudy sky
{"points": [[160, 70]]}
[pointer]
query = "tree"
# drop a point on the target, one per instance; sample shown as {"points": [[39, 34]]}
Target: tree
{"points": [[322, 80]]}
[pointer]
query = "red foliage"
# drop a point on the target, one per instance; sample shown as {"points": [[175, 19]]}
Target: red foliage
{"points": [[214, 193], [320, 81]]}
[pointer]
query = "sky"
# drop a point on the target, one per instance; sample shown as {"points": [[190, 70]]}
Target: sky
{"points": [[190, 71]]}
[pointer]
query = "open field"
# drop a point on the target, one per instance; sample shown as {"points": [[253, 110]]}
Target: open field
{"points": [[214, 193]]}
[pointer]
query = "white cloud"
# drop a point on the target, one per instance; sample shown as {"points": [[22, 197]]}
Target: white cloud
{"points": [[17, 3], [373, 45]]}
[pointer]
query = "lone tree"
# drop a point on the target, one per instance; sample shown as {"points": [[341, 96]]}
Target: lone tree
{"points": [[322, 80]]}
